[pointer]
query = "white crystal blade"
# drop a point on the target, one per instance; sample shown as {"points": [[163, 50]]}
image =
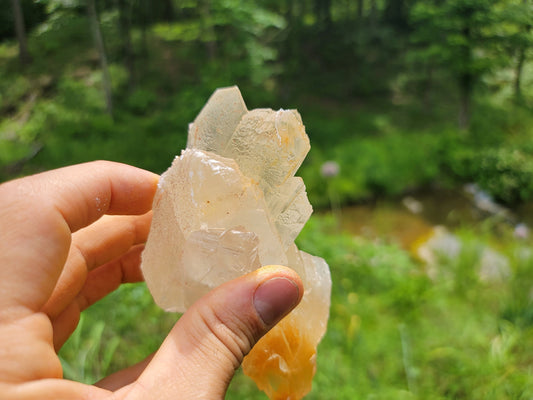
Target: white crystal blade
{"points": [[217, 121], [269, 146], [289, 208]]}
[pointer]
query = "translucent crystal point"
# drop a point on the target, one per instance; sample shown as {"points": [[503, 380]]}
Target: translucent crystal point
{"points": [[217, 121], [289, 208], [268, 145], [229, 204]]}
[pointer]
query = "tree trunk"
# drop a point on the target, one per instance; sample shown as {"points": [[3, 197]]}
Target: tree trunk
{"points": [[99, 44], [146, 18], [170, 12], [428, 88], [466, 77], [20, 31], [520, 63], [373, 16], [125, 33], [466, 81], [395, 14], [360, 10], [211, 45], [518, 74], [373, 9], [289, 12], [323, 12], [293, 28]]}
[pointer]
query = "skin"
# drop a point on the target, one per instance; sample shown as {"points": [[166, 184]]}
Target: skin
{"points": [[69, 237]]}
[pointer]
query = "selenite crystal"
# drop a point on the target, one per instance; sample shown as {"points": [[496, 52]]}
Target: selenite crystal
{"points": [[229, 204]]}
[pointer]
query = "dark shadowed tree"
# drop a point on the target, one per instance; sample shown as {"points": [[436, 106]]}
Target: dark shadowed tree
{"points": [[323, 12], [99, 44], [169, 10], [360, 9], [456, 36], [125, 10], [208, 28], [524, 42], [20, 31], [396, 14]]}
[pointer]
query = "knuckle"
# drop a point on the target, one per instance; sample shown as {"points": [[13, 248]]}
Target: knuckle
{"points": [[232, 332]]}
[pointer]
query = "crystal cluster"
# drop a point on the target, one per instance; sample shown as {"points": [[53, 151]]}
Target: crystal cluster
{"points": [[229, 205]]}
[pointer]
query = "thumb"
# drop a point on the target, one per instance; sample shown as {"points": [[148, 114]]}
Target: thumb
{"points": [[199, 357]]}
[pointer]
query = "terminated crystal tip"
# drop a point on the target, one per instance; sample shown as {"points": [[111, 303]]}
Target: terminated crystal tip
{"points": [[217, 121], [229, 204]]}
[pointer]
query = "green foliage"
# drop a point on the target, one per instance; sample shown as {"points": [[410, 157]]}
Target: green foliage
{"points": [[105, 339], [88, 353], [506, 173], [74, 134], [451, 30], [11, 151], [50, 38], [141, 101], [381, 165], [393, 332], [381, 149], [13, 91], [230, 30], [518, 309], [181, 31], [496, 153]]}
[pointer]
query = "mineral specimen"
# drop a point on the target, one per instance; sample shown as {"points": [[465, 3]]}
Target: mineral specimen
{"points": [[229, 205]]}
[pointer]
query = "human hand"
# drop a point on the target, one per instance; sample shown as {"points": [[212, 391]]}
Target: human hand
{"points": [[69, 237]]}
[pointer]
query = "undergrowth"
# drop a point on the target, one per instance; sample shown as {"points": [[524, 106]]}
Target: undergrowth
{"points": [[393, 332]]}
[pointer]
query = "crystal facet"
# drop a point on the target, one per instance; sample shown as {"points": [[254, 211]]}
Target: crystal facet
{"points": [[229, 204]]}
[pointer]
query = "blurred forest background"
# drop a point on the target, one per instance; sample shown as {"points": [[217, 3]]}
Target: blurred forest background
{"points": [[421, 168]]}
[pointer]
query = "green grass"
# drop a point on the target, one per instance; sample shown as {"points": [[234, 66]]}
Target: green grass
{"points": [[393, 332]]}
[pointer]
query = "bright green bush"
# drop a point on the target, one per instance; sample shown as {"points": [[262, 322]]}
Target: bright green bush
{"points": [[504, 172], [386, 165], [13, 91]]}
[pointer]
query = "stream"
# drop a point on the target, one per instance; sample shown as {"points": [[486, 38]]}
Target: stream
{"points": [[414, 218]]}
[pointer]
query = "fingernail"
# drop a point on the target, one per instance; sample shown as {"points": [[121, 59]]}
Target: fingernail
{"points": [[275, 298]]}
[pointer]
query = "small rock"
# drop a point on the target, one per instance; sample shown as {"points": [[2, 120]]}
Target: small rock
{"points": [[413, 205], [493, 266]]}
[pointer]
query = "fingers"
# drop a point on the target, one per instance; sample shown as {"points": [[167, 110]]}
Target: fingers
{"points": [[37, 217], [124, 377], [107, 278], [100, 243], [99, 283], [114, 241], [83, 193], [26, 353], [200, 355], [53, 389], [38, 214]]}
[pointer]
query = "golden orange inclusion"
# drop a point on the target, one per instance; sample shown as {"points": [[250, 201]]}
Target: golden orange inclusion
{"points": [[282, 363]]}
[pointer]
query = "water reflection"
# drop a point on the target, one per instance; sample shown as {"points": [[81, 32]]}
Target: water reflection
{"points": [[412, 219]]}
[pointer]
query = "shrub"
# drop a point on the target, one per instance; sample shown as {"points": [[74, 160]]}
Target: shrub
{"points": [[373, 166], [505, 172]]}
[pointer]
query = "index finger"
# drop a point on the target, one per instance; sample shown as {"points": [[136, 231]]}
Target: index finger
{"points": [[39, 213], [83, 193]]}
